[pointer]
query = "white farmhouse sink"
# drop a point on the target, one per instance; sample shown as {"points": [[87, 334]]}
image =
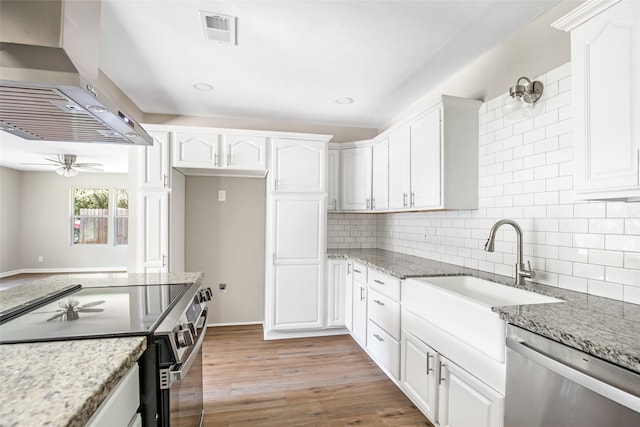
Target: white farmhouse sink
{"points": [[461, 306], [486, 292]]}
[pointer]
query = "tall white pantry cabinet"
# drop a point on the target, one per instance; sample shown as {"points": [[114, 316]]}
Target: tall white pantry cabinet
{"points": [[295, 290]]}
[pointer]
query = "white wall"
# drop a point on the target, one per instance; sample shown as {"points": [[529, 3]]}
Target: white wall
{"points": [[45, 221], [225, 240], [526, 174], [9, 220]]}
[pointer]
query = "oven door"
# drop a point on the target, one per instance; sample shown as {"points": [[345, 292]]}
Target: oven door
{"points": [[183, 404]]}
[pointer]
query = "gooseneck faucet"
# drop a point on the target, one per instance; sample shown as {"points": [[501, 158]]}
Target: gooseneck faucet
{"points": [[521, 271]]}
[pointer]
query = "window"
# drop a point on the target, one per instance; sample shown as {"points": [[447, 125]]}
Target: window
{"points": [[122, 217], [93, 211]]}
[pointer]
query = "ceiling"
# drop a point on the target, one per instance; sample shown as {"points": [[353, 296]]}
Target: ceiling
{"points": [[292, 61]]}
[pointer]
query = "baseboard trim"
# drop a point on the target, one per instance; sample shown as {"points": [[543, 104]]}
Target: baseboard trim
{"points": [[9, 273], [214, 325]]}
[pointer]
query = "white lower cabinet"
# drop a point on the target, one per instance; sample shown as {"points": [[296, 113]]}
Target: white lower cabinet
{"points": [[466, 401], [359, 322], [336, 292], [419, 372], [121, 405], [383, 348]]}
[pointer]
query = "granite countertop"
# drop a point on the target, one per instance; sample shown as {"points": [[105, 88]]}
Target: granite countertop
{"points": [[605, 328], [62, 383]]}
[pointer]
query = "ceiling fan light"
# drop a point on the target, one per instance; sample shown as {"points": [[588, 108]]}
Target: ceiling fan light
{"points": [[67, 172]]}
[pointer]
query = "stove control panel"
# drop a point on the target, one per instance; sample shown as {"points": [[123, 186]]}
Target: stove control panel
{"points": [[184, 337], [205, 294]]}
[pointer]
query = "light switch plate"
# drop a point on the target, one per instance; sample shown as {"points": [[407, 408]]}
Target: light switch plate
{"points": [[222, 195]]}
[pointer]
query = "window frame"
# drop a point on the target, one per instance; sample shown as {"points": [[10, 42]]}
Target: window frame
{"points": [[111, 217]]}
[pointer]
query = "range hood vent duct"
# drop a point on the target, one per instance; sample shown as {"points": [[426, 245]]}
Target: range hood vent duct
{"points": [[51, 87]]}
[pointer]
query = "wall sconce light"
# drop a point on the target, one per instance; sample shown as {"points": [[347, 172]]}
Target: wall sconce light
{"points": [[522, 98]]}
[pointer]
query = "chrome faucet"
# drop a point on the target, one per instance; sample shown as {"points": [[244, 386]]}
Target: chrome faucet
{"points": [[521, 271]]}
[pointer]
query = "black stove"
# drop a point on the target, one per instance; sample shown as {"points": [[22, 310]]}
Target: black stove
{"points": [[95, 312]]}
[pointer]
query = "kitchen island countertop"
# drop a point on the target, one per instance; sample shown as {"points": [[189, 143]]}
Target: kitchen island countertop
{"points": [[62, 383], [603, 327]]}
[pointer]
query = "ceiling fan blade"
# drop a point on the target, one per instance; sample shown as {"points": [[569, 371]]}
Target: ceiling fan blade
{"points": [[91, 310], [81, 165], [91, 304], [56, 316], [38, 164], [55, 161], [87, 168]]}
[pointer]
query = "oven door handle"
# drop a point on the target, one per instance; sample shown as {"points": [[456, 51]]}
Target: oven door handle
{"points": [[597, 386], [175, 376]]}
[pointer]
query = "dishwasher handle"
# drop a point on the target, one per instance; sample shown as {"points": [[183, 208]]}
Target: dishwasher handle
{"points": [[596, 385], [177, 375]]}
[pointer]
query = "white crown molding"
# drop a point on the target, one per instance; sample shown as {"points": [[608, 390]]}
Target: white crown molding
{"points": [[582, 13]]}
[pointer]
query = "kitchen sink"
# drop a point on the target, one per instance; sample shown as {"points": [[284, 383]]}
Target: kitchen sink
{"points": [[486, 292], [461, 306]]}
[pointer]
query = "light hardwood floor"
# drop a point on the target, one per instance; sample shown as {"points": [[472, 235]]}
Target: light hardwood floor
{"points": [[322, 381]]}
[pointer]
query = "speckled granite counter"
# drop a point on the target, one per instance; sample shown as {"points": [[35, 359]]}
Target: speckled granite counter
{"points": [[602, 327], [62, 383]]}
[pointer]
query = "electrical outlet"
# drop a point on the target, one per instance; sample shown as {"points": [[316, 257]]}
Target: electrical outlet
{"points": [[222, 195], [40, 258], [222, 287]]}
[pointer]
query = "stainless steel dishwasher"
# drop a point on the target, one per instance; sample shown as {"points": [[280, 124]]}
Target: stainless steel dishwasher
{"points": [[550, 384]]}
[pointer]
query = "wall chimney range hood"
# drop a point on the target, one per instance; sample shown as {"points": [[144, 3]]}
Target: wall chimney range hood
{"points": [[51, 87]]}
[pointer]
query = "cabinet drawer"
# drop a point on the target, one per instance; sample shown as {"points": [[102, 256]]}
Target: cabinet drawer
{"points": [[360, 272], [390, 286], [385, 312], [383, 348]]}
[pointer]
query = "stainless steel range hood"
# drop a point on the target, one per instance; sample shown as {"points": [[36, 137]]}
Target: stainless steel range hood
{"points": [[51, 87]]}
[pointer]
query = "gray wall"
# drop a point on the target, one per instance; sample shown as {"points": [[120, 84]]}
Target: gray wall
{"points": [[225, 240], [43, 224], [9, 220]]}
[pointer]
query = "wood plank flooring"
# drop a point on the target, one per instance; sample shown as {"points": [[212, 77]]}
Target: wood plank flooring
{"points": [[321, 381]]}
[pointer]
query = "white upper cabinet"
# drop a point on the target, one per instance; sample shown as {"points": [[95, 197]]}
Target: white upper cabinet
{"points": [[425, 161], [355, 171], [333, 178], [298, 166], [605, 60], [154, 163], [399, 173], [245, 152], [196, 150], [380, 178]]}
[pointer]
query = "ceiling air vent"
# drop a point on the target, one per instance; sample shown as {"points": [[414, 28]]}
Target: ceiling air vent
{"points": [[218, 27]]}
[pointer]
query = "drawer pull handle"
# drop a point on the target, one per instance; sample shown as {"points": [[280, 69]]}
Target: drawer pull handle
{"points": [[440, 379], [429, 368], [380, 282], [357, 271], [361, 293], [378, 302], [378, 337]]}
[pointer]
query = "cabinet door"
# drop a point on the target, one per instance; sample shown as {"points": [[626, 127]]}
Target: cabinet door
{"points": [[196, 150], [359, 331], [154, 232], [605, 57], [355, 173], [466, 401], [380, 179], [299, 166], [336, 292], [333, 179], [426, 161], [348, 303], [418, 376], [297, 288], [154, 166], [245, 152], [399, 165]]}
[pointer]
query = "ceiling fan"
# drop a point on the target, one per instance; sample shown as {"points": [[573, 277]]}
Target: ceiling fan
{"points": [[67, 166]]}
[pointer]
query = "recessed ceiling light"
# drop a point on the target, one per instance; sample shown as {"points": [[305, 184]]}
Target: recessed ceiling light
{"points": [[203, 86], [345, 100]]}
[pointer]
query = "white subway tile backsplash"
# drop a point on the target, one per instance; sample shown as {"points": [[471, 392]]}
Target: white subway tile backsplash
{"points": [[525, 173]]}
